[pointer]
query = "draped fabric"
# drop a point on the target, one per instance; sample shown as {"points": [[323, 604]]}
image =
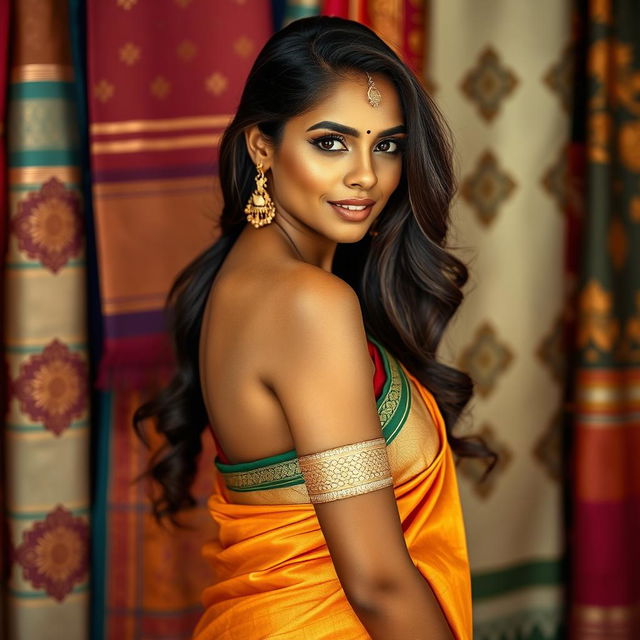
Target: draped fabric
{"points": [[501, 74], [46, 428], [399, 22], [159, 94], [4, 68], [274, 575], [605, 594]]}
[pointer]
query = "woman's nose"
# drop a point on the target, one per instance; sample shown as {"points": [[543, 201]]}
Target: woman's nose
{"points": [[362, 174]]}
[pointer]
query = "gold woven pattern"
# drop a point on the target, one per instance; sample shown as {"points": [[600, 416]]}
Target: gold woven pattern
{"points": [[346, 471], [392, 399], [243, 480]]}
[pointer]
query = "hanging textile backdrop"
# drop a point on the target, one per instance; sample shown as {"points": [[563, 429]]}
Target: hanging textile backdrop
{"points": [[160, 93], [46, 433], [162, 81], [4, 68], [606, 487], [399, 22], [501, 74]]}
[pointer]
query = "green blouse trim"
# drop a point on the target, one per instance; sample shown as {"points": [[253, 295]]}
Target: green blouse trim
{"points": [[283, 470]]}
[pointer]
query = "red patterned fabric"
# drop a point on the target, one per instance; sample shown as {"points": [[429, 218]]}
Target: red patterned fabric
{"points": [[160, 94], [399, 22]]}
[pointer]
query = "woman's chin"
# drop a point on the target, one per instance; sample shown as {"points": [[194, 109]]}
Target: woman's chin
{"points": [[350, 236]]}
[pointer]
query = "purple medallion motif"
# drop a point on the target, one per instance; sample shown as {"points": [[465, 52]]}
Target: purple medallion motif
{"points": [[49, 225], [54, 553], [52, 387]]}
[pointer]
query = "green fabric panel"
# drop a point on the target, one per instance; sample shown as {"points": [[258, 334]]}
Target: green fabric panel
{"points": [[49, 158], [27, 90], [99, 517], [400, 415], [296, 11], [536, 573], [256, 464]]}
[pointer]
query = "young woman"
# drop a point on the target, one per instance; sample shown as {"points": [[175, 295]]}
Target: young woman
{"points": [[306, 340]]}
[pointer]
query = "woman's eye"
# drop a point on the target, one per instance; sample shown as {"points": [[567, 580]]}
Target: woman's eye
{"points": [[330, 143], [388, 146]]}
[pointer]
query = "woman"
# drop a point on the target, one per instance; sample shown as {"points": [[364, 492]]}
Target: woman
{"points": [[336, 498]]}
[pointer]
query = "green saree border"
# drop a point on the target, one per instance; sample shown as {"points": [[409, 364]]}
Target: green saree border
{"points": [[394, 402], [282, 470]]}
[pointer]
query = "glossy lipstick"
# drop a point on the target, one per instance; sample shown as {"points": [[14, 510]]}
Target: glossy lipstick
{"points": [[353, 209]]}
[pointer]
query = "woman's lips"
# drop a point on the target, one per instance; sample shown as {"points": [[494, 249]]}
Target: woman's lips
{"points": [[354, 210]]}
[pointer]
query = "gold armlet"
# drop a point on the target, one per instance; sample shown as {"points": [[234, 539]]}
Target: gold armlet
{"points": [[346, 471]]}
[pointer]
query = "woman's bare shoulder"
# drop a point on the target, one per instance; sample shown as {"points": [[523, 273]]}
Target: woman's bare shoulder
{"points": [[305, 285], [310, 299]]}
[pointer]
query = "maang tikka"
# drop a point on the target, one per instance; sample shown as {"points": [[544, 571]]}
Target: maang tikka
{"points": [[373, 93], [260, 209]]}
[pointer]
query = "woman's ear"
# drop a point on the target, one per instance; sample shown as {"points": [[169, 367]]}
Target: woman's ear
{"points": [[259, 147]]}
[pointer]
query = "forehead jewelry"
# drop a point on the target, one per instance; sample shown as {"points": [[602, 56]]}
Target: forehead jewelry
{"points": [[373, 94]]}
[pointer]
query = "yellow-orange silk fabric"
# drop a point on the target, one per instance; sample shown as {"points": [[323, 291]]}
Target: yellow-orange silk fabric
{"points": [[275, 577]]}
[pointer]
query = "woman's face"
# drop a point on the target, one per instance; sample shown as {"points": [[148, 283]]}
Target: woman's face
{"points": [[337, 164]]}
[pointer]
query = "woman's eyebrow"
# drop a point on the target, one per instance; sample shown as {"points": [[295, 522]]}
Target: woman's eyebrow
{"points": [[389, 132], [350, 131], [334, 126]]}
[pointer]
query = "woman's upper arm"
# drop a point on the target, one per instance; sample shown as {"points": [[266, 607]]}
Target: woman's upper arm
{"points": [[324, 382]]}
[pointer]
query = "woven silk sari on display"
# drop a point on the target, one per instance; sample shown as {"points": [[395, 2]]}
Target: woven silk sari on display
{"points": [[275, 577]]}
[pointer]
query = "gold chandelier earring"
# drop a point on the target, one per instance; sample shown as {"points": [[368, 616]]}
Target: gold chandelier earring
{"points": [[260, 209]]}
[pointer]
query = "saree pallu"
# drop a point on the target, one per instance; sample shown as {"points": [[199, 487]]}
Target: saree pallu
{"points": [[275, 576]]}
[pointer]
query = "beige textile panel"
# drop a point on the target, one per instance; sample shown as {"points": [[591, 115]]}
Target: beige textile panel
{"points": [[45, 351], [501, 73]]}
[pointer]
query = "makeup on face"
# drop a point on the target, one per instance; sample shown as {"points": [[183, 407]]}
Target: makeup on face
{"points": [[338, 163], [335, 140]]}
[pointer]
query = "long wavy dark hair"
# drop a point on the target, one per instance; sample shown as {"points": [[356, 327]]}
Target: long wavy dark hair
{"points": [[408, 284]]}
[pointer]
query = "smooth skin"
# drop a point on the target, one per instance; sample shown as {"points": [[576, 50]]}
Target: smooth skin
{"points": [[283, 356]]}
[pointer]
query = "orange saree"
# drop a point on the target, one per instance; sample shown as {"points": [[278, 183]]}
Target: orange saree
{"points": [[275, 577]]}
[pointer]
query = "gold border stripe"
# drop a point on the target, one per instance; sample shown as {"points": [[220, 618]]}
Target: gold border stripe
{"points": [[164, 144], [30, 175], [42, 72], [168, 124], [101, 189]]}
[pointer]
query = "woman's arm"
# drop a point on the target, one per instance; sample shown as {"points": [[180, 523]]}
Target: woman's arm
{"points": [[323, 377]]}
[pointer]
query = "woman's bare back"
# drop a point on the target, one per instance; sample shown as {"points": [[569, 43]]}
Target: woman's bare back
{"points": [[241, 342]]}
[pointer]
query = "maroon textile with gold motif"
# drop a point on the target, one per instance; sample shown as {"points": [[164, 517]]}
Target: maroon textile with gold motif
{"points": [[164, 79]]}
